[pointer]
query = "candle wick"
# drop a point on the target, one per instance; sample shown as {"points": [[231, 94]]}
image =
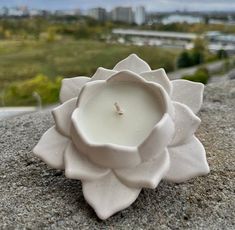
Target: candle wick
{"points": [[118, 109]]}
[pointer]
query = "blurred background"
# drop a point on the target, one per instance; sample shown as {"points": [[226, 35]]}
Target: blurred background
{"points": [[43, 41]]}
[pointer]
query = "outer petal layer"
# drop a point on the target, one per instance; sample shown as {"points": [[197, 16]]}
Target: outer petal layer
{"points": [[71, 87], [102, 74], [160, 137], [62, 116], [50, 148], [77, 166], [187, 161], [186, 123], [132, 63], [188, 93], [158, 76], [147, 174], [108, 195]]}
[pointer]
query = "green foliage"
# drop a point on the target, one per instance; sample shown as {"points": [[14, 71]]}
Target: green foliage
{"points": [[201, 75], [81, 27], [24, 60], [63, 46], [198, 52], [74, 27], [184, 60], [222, 54], [191, 28], [21, 61], [199, 45], [195, 56], [21, 93], [51, 35]]}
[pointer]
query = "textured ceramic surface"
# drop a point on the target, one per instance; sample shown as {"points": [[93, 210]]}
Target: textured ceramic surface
{"points": [[113, 175]]}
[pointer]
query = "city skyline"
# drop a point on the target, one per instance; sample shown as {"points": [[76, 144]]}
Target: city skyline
{"points": [[150, 5]]}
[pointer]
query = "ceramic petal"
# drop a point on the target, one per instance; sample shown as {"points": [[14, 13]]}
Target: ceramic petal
{"points": [[186, 123], [132, 63], [102, 74], [187, 161], [77, 166], [62, 116], [159, 138], [189, 93], [71, 87], [158, 76], [108, 195], [50, 148], [147, 174]]}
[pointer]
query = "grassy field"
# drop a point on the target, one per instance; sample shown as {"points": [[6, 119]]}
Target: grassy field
{"points": [[22, 60]]}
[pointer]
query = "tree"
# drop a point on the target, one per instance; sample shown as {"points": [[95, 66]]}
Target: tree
{"points": [[198, 51], [184, 60], [222, 54], [206, 19], [201, 75], [197, 57], [199, 45]]}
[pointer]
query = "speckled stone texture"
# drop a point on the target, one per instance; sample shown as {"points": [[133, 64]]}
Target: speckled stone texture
{"points": [[34, 196]]}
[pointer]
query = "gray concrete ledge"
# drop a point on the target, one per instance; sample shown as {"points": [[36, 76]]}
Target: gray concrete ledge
{"points": [[34, 196]]}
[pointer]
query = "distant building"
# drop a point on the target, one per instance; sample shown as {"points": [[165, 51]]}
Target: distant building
{"points": [[34, 13], [177, 18], [122, 14], [164, 35], [24, 10], [15, 12], [99, 14], [155, 38], [3, 11], [140, 15], [220, 38], [66, 12]]}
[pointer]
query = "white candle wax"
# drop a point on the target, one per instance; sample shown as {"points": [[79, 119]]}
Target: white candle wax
{"points": [[102, 123]]}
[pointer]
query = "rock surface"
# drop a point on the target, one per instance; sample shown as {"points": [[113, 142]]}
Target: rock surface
{"points": [[34, 196]]}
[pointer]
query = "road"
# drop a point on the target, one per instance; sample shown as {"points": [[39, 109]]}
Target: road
{"points": [[13, 111], [212, 68]]}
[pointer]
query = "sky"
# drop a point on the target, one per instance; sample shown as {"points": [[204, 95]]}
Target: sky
{"points": [[151, 5]]}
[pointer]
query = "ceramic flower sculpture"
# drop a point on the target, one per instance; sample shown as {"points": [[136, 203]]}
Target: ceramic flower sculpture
{"points": [[123, 130]]}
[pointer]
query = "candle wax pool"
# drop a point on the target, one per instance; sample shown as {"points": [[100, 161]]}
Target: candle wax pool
{"points": [[101, 123]]}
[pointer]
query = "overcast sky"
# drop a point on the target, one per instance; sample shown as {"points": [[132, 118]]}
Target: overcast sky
{"points": [[151, 5]]}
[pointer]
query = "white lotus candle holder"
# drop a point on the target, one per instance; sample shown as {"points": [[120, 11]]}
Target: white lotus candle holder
{"points": [[125, 129]]}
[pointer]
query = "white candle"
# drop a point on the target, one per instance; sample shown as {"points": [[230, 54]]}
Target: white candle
{"points": [[122, 113]]}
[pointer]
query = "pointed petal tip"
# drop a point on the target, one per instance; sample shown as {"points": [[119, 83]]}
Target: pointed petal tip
{"points": [[78, 167], [133, 63], [50, 148], [187, 161], [103, 215], [183, 180], [207, 169], [62, 116], [147, 174], [158, 76], [102, 74], [133, 55], [108, 195], [68, 173], [55, 164], [189, 93], [35, 151], [71, 87], [186, 123]]}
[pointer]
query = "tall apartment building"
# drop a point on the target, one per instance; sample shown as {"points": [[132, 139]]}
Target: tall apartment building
{"points": [[140, 15], [99, 14], [122, 14]]}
